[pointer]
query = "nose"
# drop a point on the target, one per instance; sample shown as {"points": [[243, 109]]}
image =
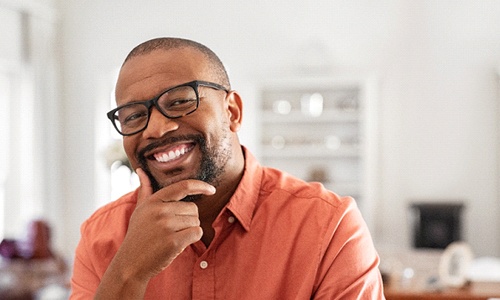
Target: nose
{"points": [[159, 125]]}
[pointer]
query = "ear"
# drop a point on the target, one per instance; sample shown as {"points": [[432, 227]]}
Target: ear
{"points": [[235, 110]]}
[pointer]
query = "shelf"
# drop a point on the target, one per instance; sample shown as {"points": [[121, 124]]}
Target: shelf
{"points": [[318, 128], [312, 151], [333, 116]]}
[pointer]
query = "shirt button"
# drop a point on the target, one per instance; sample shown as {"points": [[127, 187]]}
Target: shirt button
{"points": [[231, 219], [203, 264]]}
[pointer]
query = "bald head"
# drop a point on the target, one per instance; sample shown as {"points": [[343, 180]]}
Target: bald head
{"points": [[168, 43]]}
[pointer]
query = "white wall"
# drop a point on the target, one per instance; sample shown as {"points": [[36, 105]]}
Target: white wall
{"points": [[435, 62]]}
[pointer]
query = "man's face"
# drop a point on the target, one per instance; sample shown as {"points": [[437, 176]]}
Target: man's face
{"points": [[196, 146]]}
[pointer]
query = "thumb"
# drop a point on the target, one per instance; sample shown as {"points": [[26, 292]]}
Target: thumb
{"points": [[145, 189]]}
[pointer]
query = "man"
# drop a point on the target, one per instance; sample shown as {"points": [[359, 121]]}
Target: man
{"points": [[208, 222]]}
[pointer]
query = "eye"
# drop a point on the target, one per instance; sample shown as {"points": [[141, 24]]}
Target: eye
{"points": [[179, 99], [132, 115], [179, 104], [135, 116]]}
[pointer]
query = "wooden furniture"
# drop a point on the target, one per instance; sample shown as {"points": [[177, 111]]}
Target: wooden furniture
{"points": [[472, 291], [22, 279]]}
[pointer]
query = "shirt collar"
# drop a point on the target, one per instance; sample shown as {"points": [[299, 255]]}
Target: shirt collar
{"points": [[242, 203]]}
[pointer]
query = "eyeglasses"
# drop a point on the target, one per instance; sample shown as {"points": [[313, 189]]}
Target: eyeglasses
{"points": [[176, 102]]}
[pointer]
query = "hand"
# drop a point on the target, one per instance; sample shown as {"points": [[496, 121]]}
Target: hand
{"points": [[160, 228]]}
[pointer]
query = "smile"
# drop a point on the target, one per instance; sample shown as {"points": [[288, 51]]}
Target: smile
{"points": [[172, 154]]}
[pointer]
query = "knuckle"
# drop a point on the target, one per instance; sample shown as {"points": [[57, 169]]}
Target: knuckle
{"points": [[176, 244], [192, 207], [197, 232]]}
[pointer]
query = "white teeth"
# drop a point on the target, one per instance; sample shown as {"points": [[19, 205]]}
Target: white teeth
{"points": [[165, 157]]}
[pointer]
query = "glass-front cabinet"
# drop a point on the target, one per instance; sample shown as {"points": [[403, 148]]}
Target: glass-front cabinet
{"points": [[322, 129]]}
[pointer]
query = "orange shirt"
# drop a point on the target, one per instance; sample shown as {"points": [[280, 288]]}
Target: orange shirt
{"points": [[277, 238]]}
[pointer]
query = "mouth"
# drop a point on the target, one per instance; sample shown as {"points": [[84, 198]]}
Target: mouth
{"points": [[171, 159], [171, 154]]}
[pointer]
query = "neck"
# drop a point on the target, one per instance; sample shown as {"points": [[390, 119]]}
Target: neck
{"points": [[209, 207]]}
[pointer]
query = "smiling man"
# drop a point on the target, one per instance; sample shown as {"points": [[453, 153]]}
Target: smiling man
{"points": [[209, 222]]}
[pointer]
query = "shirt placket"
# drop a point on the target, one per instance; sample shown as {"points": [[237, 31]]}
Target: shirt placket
{"points": [[204, 277], [204, 268]]}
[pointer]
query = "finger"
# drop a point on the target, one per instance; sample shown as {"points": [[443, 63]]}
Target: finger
{"points": [[182, 240], [177, 208], [145, 188], [181, 189], [181, 222], [189, 236]]}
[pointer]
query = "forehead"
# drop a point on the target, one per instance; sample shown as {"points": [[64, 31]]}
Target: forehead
{"points": [[144, 76]]}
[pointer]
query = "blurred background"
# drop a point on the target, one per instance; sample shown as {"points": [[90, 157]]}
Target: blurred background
{"points": [[429, 69]]}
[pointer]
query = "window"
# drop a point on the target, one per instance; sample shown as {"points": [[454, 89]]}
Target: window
{"points": [[123, 178], [115, 178], [20, 196], [12, 206], [5, 86], [25, 75]]}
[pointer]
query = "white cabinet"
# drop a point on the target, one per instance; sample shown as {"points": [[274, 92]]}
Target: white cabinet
{"points": [[322, 129]]}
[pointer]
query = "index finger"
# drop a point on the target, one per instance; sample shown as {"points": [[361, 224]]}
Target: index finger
{"points": [[181, 189]]}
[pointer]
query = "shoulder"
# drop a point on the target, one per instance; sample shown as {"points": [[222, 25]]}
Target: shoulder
{"points": [[101, 236], [282, 185], [307, 210], [116, 213], [308, 203]]}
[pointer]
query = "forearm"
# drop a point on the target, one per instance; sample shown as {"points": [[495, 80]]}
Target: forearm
{"points": [[118, 283]]}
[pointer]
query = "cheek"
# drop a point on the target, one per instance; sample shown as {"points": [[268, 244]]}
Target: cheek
{"points": [[130, 147], [208, 120], [215, 128]]}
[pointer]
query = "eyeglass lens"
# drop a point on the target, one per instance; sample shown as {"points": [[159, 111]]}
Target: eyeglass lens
{"points": [[174, 103]]}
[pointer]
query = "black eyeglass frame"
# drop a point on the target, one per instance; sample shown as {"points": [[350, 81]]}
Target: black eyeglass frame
{"points": [[154, 102]]}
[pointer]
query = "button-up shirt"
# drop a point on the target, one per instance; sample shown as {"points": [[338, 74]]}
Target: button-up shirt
{"points": [[277, 238]]}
